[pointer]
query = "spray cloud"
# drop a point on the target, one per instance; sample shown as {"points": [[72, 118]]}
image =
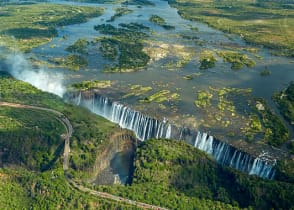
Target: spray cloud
{"points": [[44, 80]]}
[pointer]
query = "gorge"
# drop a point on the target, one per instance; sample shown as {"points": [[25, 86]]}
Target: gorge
{"points": [[146, 127]]}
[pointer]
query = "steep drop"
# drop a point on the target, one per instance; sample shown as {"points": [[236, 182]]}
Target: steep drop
{"points": [[146, 127]]}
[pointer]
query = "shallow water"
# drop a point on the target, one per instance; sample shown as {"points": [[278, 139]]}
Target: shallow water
{"points": [[282, 69]]}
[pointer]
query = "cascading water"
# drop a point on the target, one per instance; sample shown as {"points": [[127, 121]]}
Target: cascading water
{"points": [[143, 126], [146, 127]]}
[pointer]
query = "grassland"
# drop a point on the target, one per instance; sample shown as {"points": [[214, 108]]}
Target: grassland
{"points": [[266, 23], [23, 27]]}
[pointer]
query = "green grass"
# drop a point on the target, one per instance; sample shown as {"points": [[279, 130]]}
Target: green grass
{"points": [[27, 26], [259, 23]]}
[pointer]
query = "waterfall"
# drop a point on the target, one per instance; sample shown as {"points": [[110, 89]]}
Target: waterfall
{"points": [[143, 126], [146, 127]]}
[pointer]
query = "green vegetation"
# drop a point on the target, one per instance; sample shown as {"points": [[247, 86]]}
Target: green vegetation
{"points": [[139, 2], [237, 110], [80, 46], [87, 85], [29, 26], [42, 137], [175, 175], [134, 26], [23, 189], [137, 90], [120, 11], [219, 107], [238, 60], [72, 62], [32, 140], [207, 59], [100, 1], [178, 55], [285, 100], [108, 48], [191, 76], [125, 45], [161, 96], [168, 173], [160, 21], [265, 72], [30, 137], [203, 99], [275, 132], [270, 24]]}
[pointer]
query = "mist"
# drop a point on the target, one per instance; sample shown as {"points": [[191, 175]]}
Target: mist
{"points": [[41, 78]]}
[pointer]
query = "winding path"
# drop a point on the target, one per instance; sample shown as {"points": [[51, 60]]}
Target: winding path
{"points": [[69, 130]]}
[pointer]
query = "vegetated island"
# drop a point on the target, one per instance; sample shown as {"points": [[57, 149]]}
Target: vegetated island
{"points": [[36, 24], [267, 23]]}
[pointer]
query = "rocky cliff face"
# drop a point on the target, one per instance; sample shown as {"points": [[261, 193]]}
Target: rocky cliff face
{"points": [[115, 161]]}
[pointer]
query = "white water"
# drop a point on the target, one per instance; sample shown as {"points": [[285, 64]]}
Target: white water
{"points": [[146, 127], [42, 79]]}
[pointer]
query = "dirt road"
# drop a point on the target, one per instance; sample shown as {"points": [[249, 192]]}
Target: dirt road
{"points": [[69, 130]]}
